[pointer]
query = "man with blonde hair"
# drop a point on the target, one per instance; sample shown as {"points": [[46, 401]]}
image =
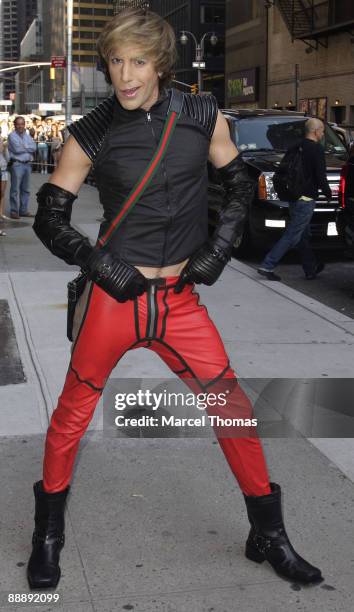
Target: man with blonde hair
{"points": [[140, 289], [298, 233]]}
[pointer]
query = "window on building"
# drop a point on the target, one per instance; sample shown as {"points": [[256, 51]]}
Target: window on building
{"points": [[83, 10], [342, 10], [84, 34], [212, 14], [84, 46], [338, 114]]}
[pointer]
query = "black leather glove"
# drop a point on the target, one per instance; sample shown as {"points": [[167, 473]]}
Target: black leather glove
{"points": [[207, 264], [121, 280], [52, 225]]}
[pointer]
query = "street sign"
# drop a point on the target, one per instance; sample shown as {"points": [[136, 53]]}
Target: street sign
{"points": [[58, 61], [200, 65]]}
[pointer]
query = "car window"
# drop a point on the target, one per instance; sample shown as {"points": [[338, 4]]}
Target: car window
{"points": [[278, 133]]}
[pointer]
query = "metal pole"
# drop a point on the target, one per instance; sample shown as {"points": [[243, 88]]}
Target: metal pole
{"points": [[68, 102], [297, 83], [199, 57], [200, 81]]}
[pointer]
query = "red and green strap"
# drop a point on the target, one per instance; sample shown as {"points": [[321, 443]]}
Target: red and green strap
{"points": [[145, 180]]}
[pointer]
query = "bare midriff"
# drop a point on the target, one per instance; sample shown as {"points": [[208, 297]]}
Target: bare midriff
{"points": [[174, 270]]}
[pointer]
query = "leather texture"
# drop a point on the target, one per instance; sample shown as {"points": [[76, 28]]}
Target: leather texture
{"points": [[119, 279], [203, 109], [206, 265], [90, 130], [269, 541], [172, 214], [239, 188], [52, 226], [203, 267], [48, 538], [179, 330]]}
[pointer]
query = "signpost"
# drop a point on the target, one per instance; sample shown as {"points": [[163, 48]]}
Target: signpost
{"points": [[58, 61]]}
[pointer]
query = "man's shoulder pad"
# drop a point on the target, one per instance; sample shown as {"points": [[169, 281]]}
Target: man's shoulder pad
{"points": [[91, 130], [203, 109]]}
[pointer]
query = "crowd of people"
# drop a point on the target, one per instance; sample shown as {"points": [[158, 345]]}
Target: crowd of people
{"points": [[27, 143]]}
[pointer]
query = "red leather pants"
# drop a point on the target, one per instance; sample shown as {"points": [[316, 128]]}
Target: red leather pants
{"points": [[178, 329]]}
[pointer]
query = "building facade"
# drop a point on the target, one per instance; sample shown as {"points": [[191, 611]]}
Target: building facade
{"points": [[89, 87], [246, 54], [16, 17], [199, 17], [291, 54], [10, 44], [312, 68]]}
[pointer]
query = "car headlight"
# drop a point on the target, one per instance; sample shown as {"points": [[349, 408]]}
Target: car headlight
{"points": [[266, 189]]}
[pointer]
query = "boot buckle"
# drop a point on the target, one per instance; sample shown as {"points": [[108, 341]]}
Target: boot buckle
{"points": [[262, 543]]}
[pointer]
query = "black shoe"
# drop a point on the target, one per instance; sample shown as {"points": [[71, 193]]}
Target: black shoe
{"points": [[48, 538], [318, 269], [268, 539], [268, 274], [26, 214]]}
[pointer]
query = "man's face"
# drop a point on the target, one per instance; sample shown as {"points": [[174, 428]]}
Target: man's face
{"points": [[20, 126], [134, 77]]}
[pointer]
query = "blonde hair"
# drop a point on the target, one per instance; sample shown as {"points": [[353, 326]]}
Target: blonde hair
{"points": [[145, 29]]}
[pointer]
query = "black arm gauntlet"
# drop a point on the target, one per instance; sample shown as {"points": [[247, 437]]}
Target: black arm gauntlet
{"points": [[206, 265], [52, 226], [239, 189]]}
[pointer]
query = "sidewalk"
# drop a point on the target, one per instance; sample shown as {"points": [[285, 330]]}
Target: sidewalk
{"points": [[160, 525]]}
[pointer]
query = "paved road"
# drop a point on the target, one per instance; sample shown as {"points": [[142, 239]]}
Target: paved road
{"points": [[334, 287]]}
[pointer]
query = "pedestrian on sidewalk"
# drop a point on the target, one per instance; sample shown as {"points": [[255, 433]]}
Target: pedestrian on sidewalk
{"points": [[313, 177], [3, 183], [141, 282], [21, 147], [42, 149]]}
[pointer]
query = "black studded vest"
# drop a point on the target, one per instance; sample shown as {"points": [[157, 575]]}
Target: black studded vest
{"points": [[170, 221]]}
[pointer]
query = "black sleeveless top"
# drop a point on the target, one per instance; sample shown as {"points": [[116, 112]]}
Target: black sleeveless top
{"points": [[170, 221]]}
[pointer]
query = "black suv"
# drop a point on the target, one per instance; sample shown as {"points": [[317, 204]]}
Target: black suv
{"points": [[345, 217], [262, 137]]}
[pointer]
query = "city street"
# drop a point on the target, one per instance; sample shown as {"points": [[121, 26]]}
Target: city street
{"points": [[160, 524], [334, 287], [132, 478]]}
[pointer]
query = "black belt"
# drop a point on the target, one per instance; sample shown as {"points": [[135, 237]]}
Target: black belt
{"points": [[20, 161]]}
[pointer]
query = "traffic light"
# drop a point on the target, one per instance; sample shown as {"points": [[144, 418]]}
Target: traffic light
{"points": [[194, 88]]}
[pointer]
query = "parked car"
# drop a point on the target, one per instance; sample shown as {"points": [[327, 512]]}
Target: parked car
{"points": [[345, 216], [262, 137]]}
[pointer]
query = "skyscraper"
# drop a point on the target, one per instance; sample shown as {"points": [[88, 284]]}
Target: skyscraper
{"points": [[16, 17]]}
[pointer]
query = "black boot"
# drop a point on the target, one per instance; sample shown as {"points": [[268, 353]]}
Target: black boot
{"points": [[43, 569], [268, 540]]}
